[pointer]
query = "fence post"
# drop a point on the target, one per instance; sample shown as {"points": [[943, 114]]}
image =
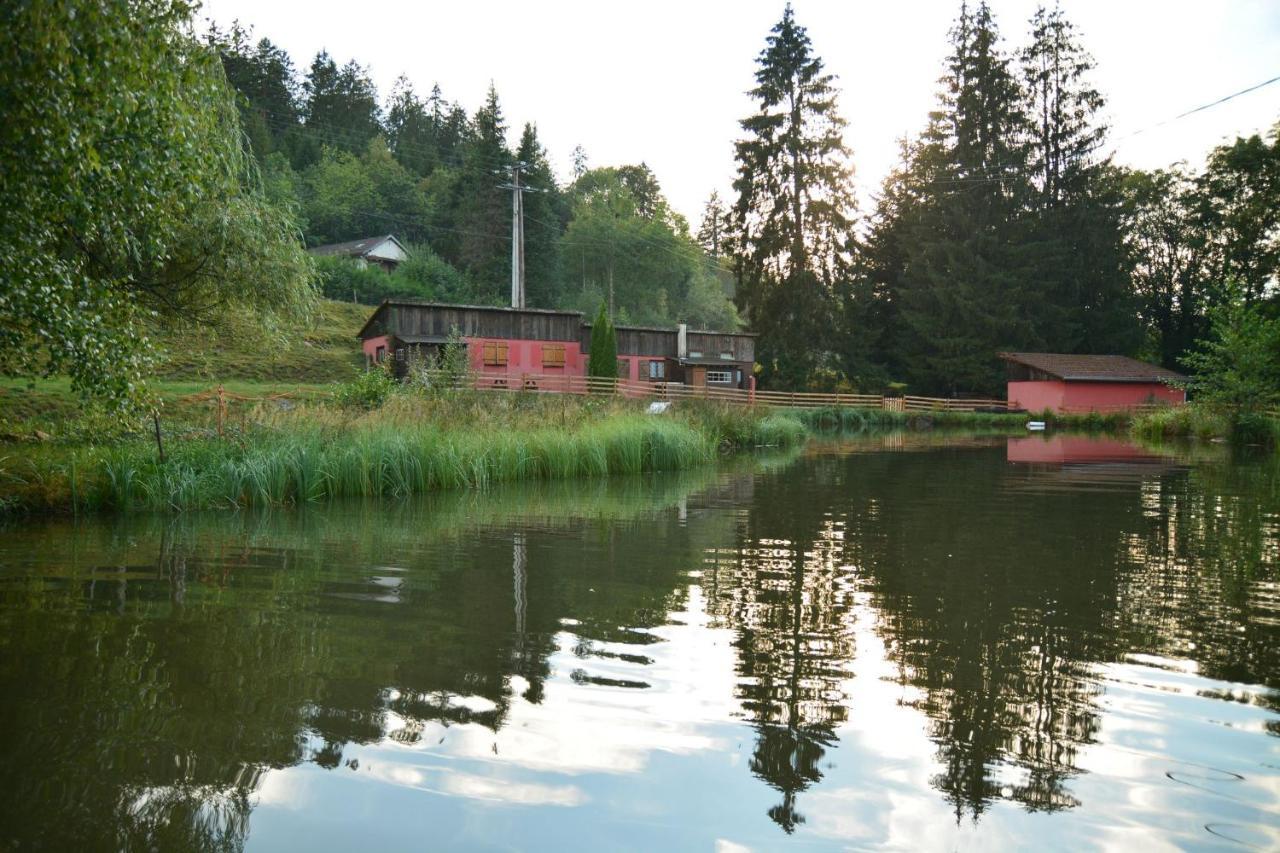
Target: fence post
{"points": [[222, 409]]}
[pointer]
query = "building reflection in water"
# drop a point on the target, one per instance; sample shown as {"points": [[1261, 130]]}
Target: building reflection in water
{"points": [[591, 628]]}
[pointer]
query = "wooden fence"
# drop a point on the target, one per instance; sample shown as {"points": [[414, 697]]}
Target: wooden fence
{"points": [[563, 384]]}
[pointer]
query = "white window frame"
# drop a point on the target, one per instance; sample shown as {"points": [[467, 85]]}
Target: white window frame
{"points": [[725, 376]]}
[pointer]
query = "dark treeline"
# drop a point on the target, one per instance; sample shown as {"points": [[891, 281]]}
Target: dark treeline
{"points": [[1005, 227], [352, 165]]}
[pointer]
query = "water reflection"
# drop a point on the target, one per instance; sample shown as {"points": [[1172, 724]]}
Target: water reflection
{"points": [[865, 646]]}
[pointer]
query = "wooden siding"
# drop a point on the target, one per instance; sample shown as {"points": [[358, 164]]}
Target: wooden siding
{"points": [[665, 343], [712, 344], [480, 322]]}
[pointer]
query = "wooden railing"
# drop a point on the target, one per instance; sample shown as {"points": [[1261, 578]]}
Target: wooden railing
{"points": [[568, 384], [947, 404]]}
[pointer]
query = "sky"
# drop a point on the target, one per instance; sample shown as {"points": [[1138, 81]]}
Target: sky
{"points": [[666, 82]]}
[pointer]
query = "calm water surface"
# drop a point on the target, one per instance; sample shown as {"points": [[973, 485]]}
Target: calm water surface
{"points": [[964, 644]]}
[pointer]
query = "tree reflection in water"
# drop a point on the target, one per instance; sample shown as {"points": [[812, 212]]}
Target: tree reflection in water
{"points": [[149, 697]]}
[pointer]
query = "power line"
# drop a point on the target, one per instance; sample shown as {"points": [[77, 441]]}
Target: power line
{"points": [[1201, 108]]}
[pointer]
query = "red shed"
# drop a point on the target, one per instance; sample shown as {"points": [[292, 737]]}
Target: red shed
{"points": [[1088, 383]]}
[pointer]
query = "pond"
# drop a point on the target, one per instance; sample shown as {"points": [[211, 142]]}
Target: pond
{"points": [[911, 642]]}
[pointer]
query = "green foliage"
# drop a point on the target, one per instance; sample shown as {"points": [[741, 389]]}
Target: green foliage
{"points": [[602, 361], [347, 197], [793, 213], [425, 275], [632, 251], [368, 390], [446, 371], [135, 200], [1238, 366]]}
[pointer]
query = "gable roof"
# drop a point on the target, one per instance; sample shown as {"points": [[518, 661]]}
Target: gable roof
{"points": [[1093, 368], [355, 248]]}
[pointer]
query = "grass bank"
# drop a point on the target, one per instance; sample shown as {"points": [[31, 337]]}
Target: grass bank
{"points": [[1206, 423], [411, 445]]}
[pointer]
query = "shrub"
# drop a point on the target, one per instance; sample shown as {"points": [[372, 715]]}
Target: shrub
{"points": [[368, 390]]}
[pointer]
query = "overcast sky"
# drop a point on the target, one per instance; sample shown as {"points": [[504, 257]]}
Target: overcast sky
{"points": [[665, 82]]}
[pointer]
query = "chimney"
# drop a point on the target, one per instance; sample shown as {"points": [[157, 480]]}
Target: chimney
{"points": [[682, 341]]}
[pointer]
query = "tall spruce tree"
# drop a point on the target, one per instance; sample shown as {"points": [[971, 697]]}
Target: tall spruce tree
{"points": [[713, 232], [341, 105], [545, 216], [962, 288], [478, 241], [411, 129], [792, 215], [1075, 229]]}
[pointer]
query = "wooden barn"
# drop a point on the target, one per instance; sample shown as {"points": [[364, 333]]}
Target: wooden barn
{"points": [[697, 358], [1058, 382], [500, 341], [518, 342]]}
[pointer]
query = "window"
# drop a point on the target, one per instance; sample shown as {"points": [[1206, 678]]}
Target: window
{"points": [[495, 353], [553, 355], [380, 354], [657, 370], [719, 376], [727, 355], [624, 369], [400, 354], [695, 353]]}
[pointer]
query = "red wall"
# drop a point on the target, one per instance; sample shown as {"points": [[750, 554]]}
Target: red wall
{"points": [[526, 357], [1060, 396], [371, 345]]}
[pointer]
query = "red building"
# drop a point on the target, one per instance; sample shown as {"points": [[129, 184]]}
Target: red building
{"points": [[1057, 382], [509, 344]]}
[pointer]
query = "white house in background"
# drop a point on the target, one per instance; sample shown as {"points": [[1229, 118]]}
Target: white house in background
{"points": [[384, 251]]}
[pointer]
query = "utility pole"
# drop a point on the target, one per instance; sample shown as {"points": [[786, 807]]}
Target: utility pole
{"points": [[517, 232]]}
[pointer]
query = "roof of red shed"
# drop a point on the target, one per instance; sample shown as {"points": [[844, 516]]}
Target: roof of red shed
{"points": [[1093, 368]]}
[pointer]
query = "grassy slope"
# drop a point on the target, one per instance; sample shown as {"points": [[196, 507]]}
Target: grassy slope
{"points": [[243, 360]]}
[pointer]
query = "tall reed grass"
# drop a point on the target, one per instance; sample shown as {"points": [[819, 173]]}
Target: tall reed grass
{"points": [[316, 453]]}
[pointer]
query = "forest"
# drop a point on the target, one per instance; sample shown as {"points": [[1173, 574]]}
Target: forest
{"points": [[1005, 227], [185, 184], [354, 164]]}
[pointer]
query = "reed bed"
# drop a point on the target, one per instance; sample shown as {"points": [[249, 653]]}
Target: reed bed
{"points": [[316, 453]]}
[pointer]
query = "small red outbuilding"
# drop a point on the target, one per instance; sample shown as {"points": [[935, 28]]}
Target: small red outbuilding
{"points": [[1088, 383]]}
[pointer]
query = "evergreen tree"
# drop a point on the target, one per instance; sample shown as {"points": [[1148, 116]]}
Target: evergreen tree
{"points": [[1076, 216], [792, 215], [411, 130], [714, 230], [545, 215], [478, 239], [341, 106], [580, 164], [603, 358], [266, 85], [964, 290]]}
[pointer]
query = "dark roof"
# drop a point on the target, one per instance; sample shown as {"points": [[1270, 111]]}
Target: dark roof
{"points": [[353, 248], [425, 303], [1093, 368]]}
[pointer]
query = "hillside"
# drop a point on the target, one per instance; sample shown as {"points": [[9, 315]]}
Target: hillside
{"points": [[325, 351], [246, 361]]}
